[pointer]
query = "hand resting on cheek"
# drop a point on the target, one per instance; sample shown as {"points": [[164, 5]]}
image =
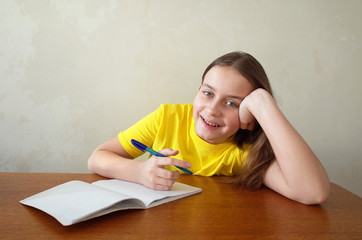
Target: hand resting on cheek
{"points": [[252, 106]]}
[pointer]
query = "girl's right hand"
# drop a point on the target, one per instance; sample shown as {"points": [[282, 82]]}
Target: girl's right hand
{"points": [[154, 176]]}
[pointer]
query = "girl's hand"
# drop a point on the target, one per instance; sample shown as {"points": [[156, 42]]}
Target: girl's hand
{"points": [[252, 106], [247, 119], [154, 176]]}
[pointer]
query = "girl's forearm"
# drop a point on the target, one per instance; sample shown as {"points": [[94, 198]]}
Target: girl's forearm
{"points": [[112, 165], [293, 154], [113, 161], [300, 169]]}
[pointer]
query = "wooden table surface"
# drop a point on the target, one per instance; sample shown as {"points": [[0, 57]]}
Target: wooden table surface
{"points": [[221, 211]]}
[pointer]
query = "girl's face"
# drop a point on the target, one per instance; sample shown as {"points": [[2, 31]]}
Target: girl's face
{"points": [[216, 105]]}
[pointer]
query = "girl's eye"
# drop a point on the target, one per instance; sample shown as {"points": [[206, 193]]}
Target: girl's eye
{"points": [[232, 104], [207, 93]]}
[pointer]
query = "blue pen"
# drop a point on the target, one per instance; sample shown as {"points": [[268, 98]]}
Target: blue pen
{"points": [[143, 148]]}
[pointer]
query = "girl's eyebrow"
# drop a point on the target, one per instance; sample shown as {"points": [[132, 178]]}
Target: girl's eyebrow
{"points": [[228, 96]]}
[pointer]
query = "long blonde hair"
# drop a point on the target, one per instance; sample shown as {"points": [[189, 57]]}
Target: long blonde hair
{"points": [[261, 153]]}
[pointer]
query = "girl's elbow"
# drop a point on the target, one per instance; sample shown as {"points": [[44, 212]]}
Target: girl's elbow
{"points": [[318, 196], [323, 195], [91, 163], [90, 166]]}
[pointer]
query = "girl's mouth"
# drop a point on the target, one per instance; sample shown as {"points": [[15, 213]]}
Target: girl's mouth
{"points": [[209, 123]]}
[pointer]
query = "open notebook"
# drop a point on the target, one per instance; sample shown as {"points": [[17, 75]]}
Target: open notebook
{"points": [[77, 201]]}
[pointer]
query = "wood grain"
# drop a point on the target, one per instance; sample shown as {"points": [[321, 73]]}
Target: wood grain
{"points": [[221, 211]]}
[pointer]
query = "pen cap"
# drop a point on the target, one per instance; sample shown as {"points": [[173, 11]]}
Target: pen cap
{"points": [[138, 145]]}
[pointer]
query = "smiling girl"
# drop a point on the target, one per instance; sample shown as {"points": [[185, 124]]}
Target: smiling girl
{"points": [[233, 128]]}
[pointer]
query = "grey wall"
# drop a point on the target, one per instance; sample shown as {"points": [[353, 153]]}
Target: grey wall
{"points": [[75, 73]]}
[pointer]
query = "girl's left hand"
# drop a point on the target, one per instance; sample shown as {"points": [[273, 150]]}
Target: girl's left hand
{"points": [[252, 106], [247, 120]]}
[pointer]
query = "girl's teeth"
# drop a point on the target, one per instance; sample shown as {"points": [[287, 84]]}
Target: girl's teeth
{"points": [[211, 124]]}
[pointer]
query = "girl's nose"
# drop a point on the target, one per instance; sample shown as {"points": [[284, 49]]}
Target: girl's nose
{"points": [[214, 108]]}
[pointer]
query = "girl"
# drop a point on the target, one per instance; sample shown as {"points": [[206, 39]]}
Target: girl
{"points": [[234, 127]]}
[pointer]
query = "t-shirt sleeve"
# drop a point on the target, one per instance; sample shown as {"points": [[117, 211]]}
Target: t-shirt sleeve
{"points": [[143, 131]]}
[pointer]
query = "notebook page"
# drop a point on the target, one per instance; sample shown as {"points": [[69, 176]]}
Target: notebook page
{"points": [[74, 200], [145, 194]]}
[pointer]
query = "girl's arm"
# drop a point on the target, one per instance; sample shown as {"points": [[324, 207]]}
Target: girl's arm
{"points": [[296, 173], [112, 160]]}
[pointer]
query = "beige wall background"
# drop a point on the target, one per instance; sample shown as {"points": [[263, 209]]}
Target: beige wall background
{"points": [[75, 73]]}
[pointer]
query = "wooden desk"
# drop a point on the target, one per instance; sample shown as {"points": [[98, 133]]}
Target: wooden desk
{"points": [[219, 212]]}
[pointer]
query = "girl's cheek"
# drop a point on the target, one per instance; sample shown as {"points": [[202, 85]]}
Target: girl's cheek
{"points": [[197, 102]]}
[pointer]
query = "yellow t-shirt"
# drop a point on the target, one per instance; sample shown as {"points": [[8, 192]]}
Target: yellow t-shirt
{"points": [[173, 126]]}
